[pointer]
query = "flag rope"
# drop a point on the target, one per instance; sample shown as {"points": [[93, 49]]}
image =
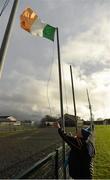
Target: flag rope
{"points": [[49, 78]]}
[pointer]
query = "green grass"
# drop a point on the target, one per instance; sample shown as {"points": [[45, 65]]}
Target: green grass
{"points": [[18, 130], [102, 159]]}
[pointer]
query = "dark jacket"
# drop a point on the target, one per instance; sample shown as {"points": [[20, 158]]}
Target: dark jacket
{"points": [[80, 156]]}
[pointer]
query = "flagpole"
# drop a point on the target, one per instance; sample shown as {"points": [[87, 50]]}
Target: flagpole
{"points": [[61, 100], [7, 34], [90, 108], [74, 102]]}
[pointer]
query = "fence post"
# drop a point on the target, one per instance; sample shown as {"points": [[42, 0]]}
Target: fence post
{"points": [[56, 164]]}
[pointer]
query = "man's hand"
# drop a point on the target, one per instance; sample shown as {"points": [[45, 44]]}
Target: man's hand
{"points": [[57, 125]]}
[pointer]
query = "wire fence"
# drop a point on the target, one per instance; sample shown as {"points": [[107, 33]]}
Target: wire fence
{"points": [[50, 167]]}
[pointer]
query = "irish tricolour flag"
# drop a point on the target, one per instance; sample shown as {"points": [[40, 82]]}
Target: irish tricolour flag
{"points": [[30, 22]]}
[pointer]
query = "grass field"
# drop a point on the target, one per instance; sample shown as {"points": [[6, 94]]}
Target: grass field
{"points": [[13, 131], [102, 159]]}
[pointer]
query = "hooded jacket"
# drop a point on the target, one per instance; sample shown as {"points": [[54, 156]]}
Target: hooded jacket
{"points": [[80, 156]]}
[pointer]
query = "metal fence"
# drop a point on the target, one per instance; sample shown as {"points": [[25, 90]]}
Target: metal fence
{"points": [[51, 167]]}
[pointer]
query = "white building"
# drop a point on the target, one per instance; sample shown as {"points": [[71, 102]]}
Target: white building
{"points": [[7, 120]]}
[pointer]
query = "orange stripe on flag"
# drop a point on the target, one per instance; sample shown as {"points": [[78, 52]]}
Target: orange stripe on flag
{"points": [[27, 18]]}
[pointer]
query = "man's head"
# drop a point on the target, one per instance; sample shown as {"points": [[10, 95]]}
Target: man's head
{"points": [[86, 132]]}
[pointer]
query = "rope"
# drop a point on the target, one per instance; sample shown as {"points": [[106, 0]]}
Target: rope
{"points": [[48, 81], [51, 66], [4, 6]]}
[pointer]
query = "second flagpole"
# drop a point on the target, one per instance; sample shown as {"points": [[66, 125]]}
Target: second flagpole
{"points": [[74, 102]]}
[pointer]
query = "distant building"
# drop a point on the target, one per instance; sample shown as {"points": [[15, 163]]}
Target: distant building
{"points": [[99, 122], [70, 120], [47, 121], [7, 120], [107, 121], [87, 123], [26, 122], [17, 123]]}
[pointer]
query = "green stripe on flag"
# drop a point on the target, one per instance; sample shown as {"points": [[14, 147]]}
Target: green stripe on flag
{"points": [[49, 32]]}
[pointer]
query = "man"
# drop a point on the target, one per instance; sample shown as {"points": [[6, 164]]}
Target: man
{"points": [[81, 153]]}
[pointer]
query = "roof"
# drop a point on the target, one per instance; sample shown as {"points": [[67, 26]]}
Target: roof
{"points": [[7, 119]]}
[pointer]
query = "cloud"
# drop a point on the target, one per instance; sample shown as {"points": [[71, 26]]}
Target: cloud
{"points": [[26, 96], [89, 46]]}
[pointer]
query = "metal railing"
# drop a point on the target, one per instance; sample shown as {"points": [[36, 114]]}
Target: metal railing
{"points": [[50, 167]]}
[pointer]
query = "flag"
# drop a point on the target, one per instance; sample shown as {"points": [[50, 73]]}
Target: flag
{"points": [[30, 22]]}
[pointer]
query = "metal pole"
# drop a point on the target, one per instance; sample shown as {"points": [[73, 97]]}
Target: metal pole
{"points": [[61, 100], [60, 81], [7, 34], [90, 108], [74, 102]]}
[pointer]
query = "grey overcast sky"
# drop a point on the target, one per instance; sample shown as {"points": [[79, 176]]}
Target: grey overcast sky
{"points": [[84, 29]]}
